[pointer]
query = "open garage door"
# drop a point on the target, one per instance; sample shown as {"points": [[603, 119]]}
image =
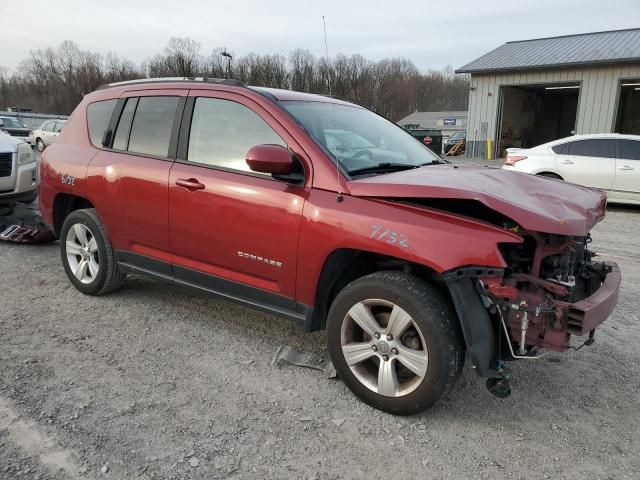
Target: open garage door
{"points": [[628, 115], [535, 114]]}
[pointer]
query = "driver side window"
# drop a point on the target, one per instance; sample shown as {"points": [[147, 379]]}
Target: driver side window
{"points": [[223, 131]]}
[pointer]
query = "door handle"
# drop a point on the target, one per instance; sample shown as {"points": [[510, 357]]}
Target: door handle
{"points": [[567, 162], [191, 184], [626, 167]]}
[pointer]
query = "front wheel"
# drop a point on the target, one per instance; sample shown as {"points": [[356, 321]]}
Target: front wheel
{"points": [[395, 342], [40, 145], [87, 255]]}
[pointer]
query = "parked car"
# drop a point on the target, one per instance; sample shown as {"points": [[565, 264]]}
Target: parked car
{"points": [[18, 171], [234, 190], [453, 140], [14, 128], [344, 145], [46, 133], [610, 162]]}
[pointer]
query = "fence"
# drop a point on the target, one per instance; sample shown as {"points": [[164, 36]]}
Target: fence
{"points": [[32, 120]]}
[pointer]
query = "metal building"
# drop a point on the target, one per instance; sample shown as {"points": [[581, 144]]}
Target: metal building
{"points": [[530, 92]]}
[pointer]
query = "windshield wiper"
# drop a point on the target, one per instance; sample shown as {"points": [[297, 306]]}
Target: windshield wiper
{"points": [[383, 167]]}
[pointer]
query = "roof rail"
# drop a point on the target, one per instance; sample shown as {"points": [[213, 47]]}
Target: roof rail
{"points": [[139, 81]]}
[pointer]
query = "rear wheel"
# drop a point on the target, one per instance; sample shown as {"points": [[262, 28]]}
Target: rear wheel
{"points": [[394, 341], [87, 254]]}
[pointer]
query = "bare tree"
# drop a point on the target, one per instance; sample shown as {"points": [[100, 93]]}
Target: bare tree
{"points": [[54, 80]]}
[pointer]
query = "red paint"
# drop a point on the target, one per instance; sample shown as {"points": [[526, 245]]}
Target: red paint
{"points": [[277, 236]]}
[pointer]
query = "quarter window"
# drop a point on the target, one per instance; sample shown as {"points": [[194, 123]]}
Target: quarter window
{"points": [[223, 131], [152, 126], [604, 148], [98, 117], [562, 149], [629, 149]]}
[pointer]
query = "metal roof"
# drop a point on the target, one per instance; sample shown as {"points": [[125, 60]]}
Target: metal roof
{"points": [[571, 50], [436, 120]]}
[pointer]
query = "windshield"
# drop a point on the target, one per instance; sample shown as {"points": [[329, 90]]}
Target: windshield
{"points": [[458, 136], [358, 138], [11, 123]]}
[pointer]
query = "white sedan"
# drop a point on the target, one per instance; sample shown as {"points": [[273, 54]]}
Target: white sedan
{"points": [[610, 162], [46, 133]]}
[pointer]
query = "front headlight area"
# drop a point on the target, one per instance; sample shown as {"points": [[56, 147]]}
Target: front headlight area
{"points": [[25, 154]]}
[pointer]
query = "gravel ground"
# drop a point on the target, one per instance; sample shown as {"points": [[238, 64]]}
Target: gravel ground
{"points": [[153, 382]]}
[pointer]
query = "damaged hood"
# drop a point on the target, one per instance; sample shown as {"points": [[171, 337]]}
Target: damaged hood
{"points": [[535, 203]]}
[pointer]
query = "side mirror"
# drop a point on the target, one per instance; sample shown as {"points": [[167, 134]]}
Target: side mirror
{"points": [[273, 159]]}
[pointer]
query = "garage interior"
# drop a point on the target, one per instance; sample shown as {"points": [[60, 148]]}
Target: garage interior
{"points": [[534, 114], [628, 115]]}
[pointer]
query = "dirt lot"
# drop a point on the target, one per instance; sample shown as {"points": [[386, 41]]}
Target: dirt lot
{"points": [[153, 382]]}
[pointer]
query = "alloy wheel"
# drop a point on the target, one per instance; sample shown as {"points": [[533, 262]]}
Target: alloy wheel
{"points": [[384, 348], [82, 253]]}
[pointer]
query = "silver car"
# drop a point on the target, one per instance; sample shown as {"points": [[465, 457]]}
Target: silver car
{"points": [[18, 171]]}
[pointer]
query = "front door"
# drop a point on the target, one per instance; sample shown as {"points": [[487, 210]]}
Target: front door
{"points": [[232, 230], [626, 185], [590, 162]]}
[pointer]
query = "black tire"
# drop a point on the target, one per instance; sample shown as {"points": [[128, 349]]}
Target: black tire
{"points": [[549, 175], [437, 321], [109, 277], [40, 145]]}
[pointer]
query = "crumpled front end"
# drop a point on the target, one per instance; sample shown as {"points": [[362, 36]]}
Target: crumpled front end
{"points": [[552, 289]]}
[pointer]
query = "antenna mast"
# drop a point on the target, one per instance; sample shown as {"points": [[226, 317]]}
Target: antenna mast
{"points": [[339, 198]]}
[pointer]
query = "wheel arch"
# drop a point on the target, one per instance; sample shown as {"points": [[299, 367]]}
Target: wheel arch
{"points": [[63, 205], [549, 174], [344, 265]]}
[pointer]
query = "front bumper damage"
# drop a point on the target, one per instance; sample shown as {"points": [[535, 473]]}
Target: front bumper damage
{"points": [[517, 317]]}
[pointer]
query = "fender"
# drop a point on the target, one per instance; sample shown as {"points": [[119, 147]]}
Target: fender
{"points": [[438, 240]]}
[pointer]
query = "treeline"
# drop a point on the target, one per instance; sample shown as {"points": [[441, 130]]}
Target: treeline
{"points": [[55, 80]]}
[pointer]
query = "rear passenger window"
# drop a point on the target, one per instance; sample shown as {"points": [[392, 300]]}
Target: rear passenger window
{"points": [[223, 131], [152, 126], [605, 148], [121, 139], [98, 117], [629, 149]]}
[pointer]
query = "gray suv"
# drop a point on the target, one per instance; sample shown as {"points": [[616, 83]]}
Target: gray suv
{"points": [[18, 171]]}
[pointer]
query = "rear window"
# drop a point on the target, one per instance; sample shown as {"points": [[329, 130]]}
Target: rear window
{"points": [[98, 117], [604, 148], [152, 126], [629, 149]]}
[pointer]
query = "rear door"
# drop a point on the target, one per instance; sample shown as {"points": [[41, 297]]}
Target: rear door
{"points": [[128, 178], [626, 185], [590, 162], [235, 231]]}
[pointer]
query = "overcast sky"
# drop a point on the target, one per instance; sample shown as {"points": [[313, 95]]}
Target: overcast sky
{"points": [[430, 33]]}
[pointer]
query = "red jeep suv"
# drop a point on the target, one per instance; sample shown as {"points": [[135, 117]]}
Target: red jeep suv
{"points": [[322, 211]]}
